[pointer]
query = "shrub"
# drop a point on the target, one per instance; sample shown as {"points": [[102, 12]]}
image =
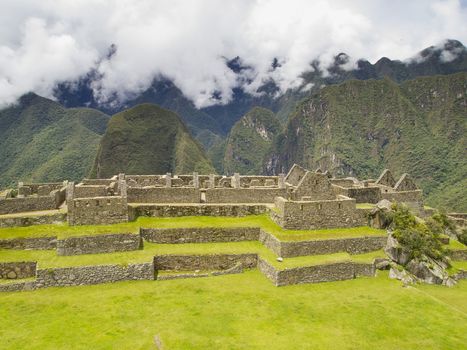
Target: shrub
{"points": [[416, 237], [462, 236]]}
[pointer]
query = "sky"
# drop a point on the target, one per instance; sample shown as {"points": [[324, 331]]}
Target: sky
{"points": [[43, 43]]}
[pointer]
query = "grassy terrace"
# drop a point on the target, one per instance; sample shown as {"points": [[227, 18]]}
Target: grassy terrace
{"points": [[49, 258], [263, 221], [243, 311], [455, 245]]}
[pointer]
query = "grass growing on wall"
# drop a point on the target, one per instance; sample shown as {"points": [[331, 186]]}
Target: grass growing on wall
{"points": [[237, 312]]}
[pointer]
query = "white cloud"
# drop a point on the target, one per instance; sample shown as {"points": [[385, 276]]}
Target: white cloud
{"points": [[45, 42]]}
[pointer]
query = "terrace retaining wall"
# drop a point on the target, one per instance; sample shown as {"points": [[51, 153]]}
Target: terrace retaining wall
{"points": [[22, 221], [36, 243], [290, 249], [17, 269], [103, 243], [204, 262], [315, 274], [356, 245], [200, 234], [460, 254], [87, 275]]}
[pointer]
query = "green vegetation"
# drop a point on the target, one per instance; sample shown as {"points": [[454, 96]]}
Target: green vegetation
{"points": [[263, 221], [362, 127], [148, 139], [250, 141], [242, 311], [416, 237], [42, 141]]}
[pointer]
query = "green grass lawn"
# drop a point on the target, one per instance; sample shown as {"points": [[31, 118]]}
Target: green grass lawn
{"points": [[242, 311], [455, 245], [63, 230]]}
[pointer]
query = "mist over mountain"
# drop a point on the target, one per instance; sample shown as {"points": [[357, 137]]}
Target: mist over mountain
{"points": [[448, 58]]}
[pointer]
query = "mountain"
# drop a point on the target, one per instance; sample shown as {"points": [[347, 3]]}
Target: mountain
{"points": [[250, 141], [148, 139], [42, 141], [361, 127], [447, 58]]}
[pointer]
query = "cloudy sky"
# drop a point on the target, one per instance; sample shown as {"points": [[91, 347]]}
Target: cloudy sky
{"points": [[43, 42]]}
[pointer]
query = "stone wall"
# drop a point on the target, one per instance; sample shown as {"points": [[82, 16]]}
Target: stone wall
{"points": [[268, 270], [97, 182], [200, 234], [243, 195], [37, 243], [346, 182], [270, 242], [247, 181], [322, 273], [290, 249], [358, 245], [25, 204], [104, 243], [41, 189], [403, 197], [295, 174], [313, 186], [17, 269], [160, 210], [163, 195], [87, 275], [98, 211], [460, 254], [365, 194], [315, 274], [87, 191], [309, 215], [204, 262], [19, 221], [17, 286]]}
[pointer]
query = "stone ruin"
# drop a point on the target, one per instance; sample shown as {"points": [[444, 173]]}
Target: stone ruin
{"points": [[302, 199]]}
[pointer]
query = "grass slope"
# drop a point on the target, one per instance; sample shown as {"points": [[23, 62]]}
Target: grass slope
{"points": [[42, 141], [237, 312], [361, 127], [148, 139]]}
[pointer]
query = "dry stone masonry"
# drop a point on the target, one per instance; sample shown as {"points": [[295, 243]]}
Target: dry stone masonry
{"points": [[302, 199]]}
